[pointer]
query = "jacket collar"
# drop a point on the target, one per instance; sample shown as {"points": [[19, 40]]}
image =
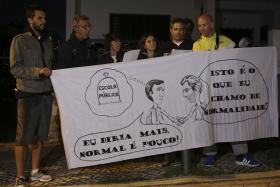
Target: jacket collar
{"points": [[211, 37]]}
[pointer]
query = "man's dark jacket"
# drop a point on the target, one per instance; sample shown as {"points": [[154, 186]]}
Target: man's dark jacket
{"points": [[169, 45], [76, 53]]}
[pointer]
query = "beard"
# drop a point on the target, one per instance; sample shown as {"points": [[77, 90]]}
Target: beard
{"points": [[39, 28]]}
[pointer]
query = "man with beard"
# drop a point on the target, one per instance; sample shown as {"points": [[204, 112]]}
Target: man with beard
{"points": [[177, 37], [31, 58]]}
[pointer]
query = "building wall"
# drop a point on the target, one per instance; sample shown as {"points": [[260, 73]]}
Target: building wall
{"points": [[242, 14], [99, 11]]}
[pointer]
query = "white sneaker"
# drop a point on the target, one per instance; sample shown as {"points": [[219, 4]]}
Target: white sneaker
{"points": [[40, 175]]}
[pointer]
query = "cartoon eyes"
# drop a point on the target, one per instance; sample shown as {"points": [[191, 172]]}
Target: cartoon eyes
{"points": [[187, 89], [160, 89]]}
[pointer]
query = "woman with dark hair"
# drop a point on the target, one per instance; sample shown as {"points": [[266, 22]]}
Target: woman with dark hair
{"points": [[149, 47], [113, 52]]}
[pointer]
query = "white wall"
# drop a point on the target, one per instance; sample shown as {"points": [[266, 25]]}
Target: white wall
{"points": [[99, 11]]}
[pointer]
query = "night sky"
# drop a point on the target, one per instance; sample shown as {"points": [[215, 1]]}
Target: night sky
{"points": [[12, 14]]}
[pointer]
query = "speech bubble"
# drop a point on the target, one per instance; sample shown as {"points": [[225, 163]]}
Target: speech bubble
{"points": [[109, 93], [136, 137], [237, 91]]}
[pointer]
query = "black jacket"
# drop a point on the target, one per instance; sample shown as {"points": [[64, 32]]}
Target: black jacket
{"points": [[75, 53], [143, 54], [107, 59], [169, 45]]}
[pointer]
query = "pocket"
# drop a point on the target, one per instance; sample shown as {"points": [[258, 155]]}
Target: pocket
{"points": [[31, 57]]}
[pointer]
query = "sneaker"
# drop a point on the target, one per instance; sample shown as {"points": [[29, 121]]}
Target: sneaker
{"points": [[246, 160], [210, 161], [20, 181], [40, 175]]}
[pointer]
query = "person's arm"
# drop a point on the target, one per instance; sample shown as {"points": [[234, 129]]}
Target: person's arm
{"points": [[64, 57], [195, 47], [226, 43], [17, 65], [191, 112], [120, 56], [94, 59], [177, 121]]}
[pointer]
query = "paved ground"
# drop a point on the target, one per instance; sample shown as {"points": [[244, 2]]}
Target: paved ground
{"points": [[266, 151]]}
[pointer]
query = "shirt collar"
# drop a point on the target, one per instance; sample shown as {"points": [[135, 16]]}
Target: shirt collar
{"points": [[178, 43], [211, 37]]}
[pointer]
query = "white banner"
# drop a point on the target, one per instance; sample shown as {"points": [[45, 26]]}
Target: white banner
{"points": [[116, 112]]}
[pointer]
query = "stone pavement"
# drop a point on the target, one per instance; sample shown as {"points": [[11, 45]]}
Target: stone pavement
{"points": [[266, 151]]}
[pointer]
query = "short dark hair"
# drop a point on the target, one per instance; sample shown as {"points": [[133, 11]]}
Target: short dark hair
{"points": [[30, 11], [109, 38], [177, 20], [149, 87]]}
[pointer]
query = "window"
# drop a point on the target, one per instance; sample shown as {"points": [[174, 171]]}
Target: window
{"points": [[133, 26]]}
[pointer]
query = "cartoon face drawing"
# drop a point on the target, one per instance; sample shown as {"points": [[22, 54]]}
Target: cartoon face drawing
{"points": [[192, 88], [187, 90], [155, 89], [157, 93]]}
